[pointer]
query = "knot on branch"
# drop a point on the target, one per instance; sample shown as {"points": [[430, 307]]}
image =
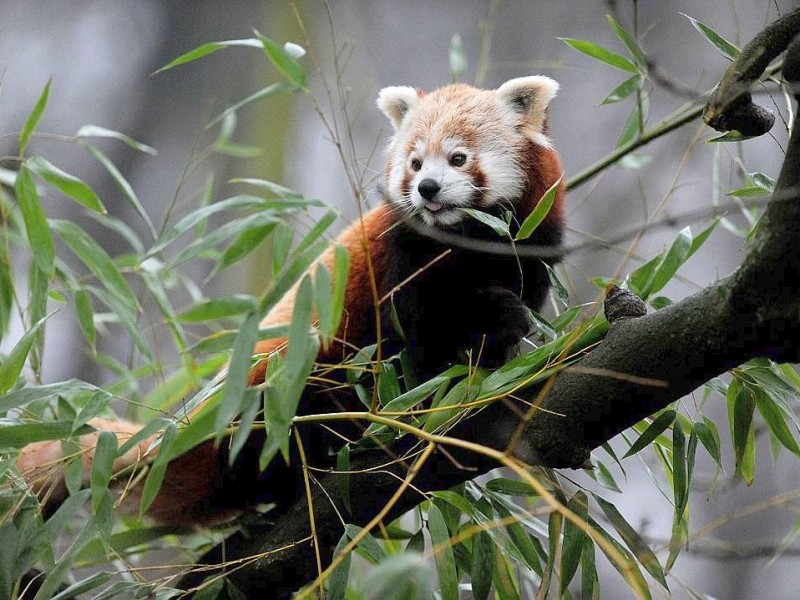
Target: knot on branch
{"points": [[731, 106], [742, 115], [622, 304]]}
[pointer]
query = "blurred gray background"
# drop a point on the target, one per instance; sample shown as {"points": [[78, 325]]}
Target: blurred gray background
{"points": [[101, 56]]}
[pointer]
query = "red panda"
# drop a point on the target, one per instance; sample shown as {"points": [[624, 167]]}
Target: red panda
{"points": [[455, 148]]}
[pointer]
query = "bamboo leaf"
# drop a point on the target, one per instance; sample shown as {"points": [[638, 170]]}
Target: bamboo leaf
{"points": [[283, 60], [39, 238], [776, 421], [623, 90], [12, 364], [539, 213], [337, 582], [483, 550], [574, 539], [602, 54], [219, 308], [728, 50], [159, 468], [656, 428], [66, 183], [33, 119], [105, 451], [677, 254], [97, 260], [341, 269], [499, 226], [97, 131], [17, 436], [124, 186], [639, 55], [443, 557], [633, 540], [207, 49]]}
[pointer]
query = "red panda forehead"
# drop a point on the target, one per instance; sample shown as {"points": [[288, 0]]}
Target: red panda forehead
{"points": [[456, 114]]}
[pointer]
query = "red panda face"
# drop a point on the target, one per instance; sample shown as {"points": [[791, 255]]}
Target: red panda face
{"points": [[461, 147]]}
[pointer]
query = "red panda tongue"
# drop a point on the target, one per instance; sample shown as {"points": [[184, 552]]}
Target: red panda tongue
{"points": [[433, 206]]}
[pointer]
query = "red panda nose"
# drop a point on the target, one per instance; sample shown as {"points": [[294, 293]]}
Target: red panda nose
{"points": [[428, 188]]}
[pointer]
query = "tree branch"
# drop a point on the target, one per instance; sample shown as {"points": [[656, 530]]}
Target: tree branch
{"points": [[755, 312]]}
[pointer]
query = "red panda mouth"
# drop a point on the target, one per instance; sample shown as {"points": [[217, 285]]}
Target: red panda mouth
{"points": [[434, 206]]}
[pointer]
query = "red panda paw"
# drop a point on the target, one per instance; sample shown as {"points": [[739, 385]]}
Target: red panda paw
{"points": [[502, 321]]}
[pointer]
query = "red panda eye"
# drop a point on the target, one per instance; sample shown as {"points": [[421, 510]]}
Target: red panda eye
{"points": [[458, 159], [416, 164]]}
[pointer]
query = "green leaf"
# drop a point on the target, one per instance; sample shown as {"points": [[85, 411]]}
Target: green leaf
{"points": [[105, 451], [247, 241], [639, 56], [730, 136], [66, 183], [707, 434], [250, 407], [271, 90], [701, 238], [368, 547], [775, 419], [725, 48], [337, 582], [574, 539], [17, 436], [510, 487], [403, 576], [85, 314], [343, 476], [677, 254], [656, 428], [341, 269], [284, 61], [443, 557], [207, 49], [499, 226], [219, 308], [539, 213], [741, 407], [680, 479], [39, 238], [323, 301], [605, 477], [590, 588], [236, 380], [33, 119], [388, 383], [633, 540], [458, 60], [602, 54], [159, 468], [483, 550], [97, 131], [623, 90], [124, 186], [301, 351], [628, 568], [12, 364], [270, 186], [97, 260]]}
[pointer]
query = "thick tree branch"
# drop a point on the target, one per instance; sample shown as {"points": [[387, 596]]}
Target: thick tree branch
{"points": [[755, 312]]}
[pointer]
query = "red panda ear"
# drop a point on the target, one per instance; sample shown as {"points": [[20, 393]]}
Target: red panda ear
{"points": [[529, 97], [396, 102]]}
